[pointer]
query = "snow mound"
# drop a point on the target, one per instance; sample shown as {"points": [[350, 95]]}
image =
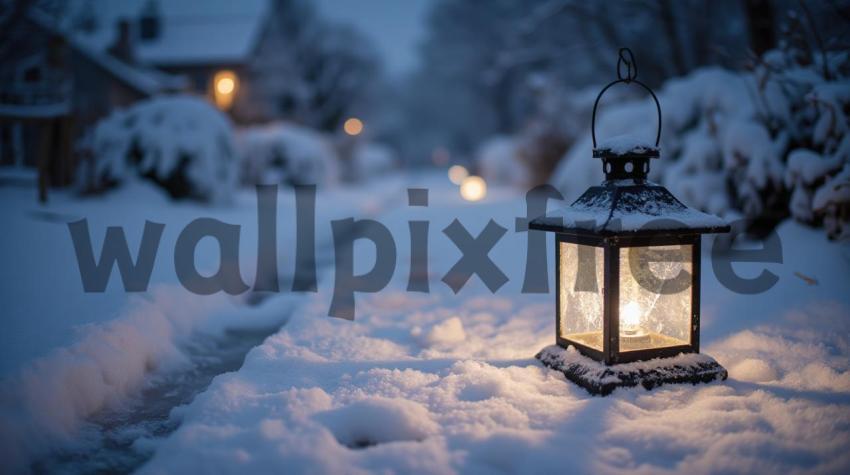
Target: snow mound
{"points": [[626, 143], [753, 370], [499, 163], [448, 332], [378, 420], [182, 143], [371, 159], [286, 153]]}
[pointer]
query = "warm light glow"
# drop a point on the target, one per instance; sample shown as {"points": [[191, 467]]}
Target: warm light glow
{"points": [[473, 188], [630, 315], [353, 126], [457, 173], [225, 84]]}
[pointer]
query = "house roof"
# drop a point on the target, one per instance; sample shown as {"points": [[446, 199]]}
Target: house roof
{"points": [[193, 32], [144, 80]]}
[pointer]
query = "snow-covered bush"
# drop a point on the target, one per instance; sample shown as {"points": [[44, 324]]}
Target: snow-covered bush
{"points": [[286, 153], [498, 162], [370, 159], [808, 98], [769, 143], [181, 143]]}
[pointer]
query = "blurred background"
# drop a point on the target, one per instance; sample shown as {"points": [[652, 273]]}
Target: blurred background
{"points": [[203, 97]]}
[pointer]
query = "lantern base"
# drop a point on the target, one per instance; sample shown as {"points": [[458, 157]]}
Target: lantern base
{"points": [[599, 379]]}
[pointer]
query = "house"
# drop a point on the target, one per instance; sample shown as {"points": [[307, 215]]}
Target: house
{"points": [[52, 88], [224, 48]]}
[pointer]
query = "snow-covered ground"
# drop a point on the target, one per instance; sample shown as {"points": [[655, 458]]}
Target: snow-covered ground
{"points": [[68, 354], [428, 382], [443, 383]]}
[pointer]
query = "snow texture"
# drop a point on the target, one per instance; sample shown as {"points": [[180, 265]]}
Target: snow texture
{"points": [[628, 208], [626, 143], [226, 32], [182, 142]]}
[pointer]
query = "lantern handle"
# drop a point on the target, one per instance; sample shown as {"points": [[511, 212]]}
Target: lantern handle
{"points": [[627, 59]]}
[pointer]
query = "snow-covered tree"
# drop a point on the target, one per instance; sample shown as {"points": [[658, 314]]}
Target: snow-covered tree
{"points": [[311, 71]]}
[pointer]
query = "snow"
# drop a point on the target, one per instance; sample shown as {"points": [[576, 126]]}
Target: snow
{"points": [[168, 137], [371, 159], [626, 143], [193, 32], [309, 397], [286, 153], [69, 356], [147, 81], [498, 162]]}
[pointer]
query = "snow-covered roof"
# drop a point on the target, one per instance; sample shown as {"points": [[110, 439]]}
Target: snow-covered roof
{"points": [[193, 32], [145, 80], [626, 207]]}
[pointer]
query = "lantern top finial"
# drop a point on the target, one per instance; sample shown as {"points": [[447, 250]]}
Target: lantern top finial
{"points": [[625, 156]]}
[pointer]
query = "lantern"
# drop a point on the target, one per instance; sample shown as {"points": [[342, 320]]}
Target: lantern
{"points": [[628, 272]]}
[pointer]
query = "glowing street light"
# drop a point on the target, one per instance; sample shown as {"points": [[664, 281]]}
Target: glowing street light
{"points": [[353, 126], [473, 188], [225, 84], [457, 173]]}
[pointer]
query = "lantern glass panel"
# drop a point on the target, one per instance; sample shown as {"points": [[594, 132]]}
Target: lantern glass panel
{"points": [[655, 296], [581, 299]]}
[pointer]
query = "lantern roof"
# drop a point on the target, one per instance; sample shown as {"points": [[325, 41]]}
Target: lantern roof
{"points": [[628, 208]]}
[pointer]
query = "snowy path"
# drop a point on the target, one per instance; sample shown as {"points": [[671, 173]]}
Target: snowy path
{"points": [[444, 383], [109, 373]]}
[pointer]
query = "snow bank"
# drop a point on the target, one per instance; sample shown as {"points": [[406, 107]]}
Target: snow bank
{"points": [[45, 403], [286, 153], [182, 143], [499, 163]]}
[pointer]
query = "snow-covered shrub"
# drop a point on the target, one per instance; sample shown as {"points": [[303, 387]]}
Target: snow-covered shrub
{"points": [[768, 143], [370, 159], [809, 97], [182, 143], [286, 153], [498, 162]]}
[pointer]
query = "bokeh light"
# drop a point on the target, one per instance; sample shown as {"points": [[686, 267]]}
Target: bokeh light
{"points": [[353, 126], [473, 188], [457, 173], [225, 85]]}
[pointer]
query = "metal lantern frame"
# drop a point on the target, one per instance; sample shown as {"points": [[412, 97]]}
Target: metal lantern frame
{"points": [[624, 192]]}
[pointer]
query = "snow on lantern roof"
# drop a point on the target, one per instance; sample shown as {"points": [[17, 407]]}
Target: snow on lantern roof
{"points": [[626, 144], [627, 207], [193, 32]]}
